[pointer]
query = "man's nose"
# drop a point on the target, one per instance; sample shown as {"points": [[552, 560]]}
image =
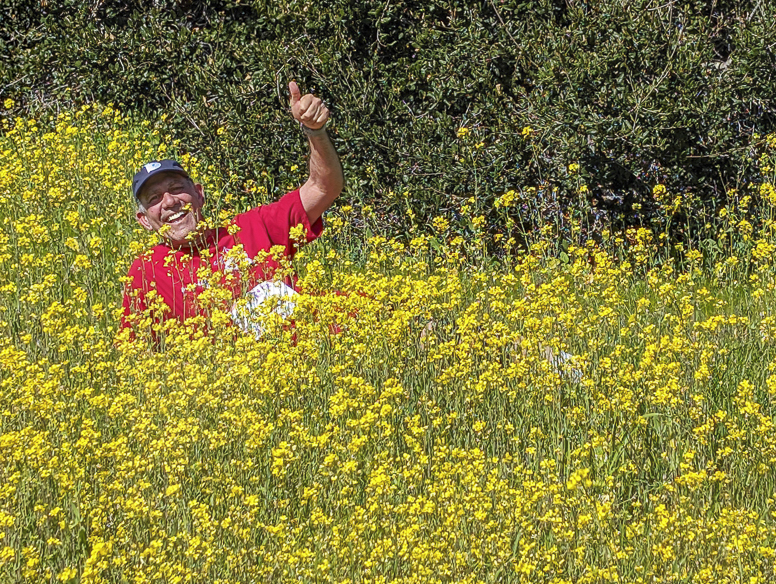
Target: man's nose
{"points": [[168, 199]]}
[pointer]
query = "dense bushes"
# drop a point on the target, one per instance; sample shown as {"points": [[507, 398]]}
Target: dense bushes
{"points": [[638, 93]]}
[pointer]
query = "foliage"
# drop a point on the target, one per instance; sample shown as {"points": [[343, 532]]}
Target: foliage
{"points": [[604, 413], [635, 93]]}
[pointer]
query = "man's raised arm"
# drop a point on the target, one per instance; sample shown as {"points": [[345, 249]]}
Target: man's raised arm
{"points": [[326, 181]]}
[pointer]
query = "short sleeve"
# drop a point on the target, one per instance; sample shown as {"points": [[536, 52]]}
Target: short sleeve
{"points": [[275, 221], [133, 301]]}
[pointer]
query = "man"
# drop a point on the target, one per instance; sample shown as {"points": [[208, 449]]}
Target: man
{"points": [[170, 203]]}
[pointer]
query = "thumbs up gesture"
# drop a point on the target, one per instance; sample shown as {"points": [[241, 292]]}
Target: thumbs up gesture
{"points": [[307, 109]]}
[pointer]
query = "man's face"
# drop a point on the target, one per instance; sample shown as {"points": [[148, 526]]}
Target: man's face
{"points": [[173, 206]]}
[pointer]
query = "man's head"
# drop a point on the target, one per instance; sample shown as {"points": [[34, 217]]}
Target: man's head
{"points": [[168, 201]]}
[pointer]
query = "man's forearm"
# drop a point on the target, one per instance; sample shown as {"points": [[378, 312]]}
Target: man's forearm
{"points": [[326, 180]]}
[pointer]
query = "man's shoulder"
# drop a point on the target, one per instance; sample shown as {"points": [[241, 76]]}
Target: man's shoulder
{"points": [[270, 215], [290, 199]]}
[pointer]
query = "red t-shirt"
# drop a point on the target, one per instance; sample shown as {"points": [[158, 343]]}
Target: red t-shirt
{"points": [[175, 274]]}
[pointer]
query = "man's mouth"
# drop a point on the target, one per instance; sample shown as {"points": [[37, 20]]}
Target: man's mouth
{"points": [[176, 217]]}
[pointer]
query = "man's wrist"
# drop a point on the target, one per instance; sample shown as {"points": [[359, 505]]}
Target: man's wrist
{"points": [[310, 132]]}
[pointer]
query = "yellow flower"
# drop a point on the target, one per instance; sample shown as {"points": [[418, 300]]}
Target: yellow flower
{"points": [[440, 224], [449, 396]]}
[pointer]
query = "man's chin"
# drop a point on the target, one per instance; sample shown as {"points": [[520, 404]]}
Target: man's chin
{"points": [[182, 239], [185, 234]]}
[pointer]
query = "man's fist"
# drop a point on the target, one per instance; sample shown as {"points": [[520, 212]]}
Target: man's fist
{"points": [[307, 109]]}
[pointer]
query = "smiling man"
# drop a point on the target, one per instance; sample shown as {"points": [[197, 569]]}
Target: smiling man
{"points": [[170, 203]]}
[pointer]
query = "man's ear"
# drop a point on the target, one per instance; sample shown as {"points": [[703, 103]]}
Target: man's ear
{"points": [[201, 192], [143, 220]]}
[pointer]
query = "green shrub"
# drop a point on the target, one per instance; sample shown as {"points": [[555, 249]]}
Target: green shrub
{"points": [[638, 93]]}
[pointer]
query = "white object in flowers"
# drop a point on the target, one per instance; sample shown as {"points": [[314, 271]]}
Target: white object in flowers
{"points": [[249, 315]]}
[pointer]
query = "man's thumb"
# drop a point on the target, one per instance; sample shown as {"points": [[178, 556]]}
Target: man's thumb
{"points": [[295, 93]]}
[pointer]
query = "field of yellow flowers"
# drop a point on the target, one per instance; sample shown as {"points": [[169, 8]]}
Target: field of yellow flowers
{"points": [[441, 436]]}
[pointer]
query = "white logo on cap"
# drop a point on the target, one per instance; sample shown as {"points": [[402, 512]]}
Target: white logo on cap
{"points": [[152, 166]]}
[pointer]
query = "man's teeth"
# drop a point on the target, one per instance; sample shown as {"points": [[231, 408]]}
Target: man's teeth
{"points": [[176, 216]]}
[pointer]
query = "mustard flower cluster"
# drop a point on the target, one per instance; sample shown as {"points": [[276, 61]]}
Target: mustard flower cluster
{"points": [[603, 417]]}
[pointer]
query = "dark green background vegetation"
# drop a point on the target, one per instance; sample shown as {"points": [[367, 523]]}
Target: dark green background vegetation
{"points": [[638, 93]]}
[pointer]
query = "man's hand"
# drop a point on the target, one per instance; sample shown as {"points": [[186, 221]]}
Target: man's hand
{"points": [[307, 109]]}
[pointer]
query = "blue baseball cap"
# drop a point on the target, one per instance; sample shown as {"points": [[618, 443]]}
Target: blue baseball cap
{"points": [[155, 167]]}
